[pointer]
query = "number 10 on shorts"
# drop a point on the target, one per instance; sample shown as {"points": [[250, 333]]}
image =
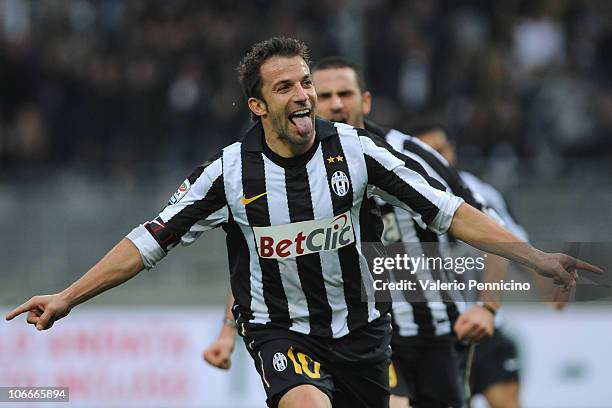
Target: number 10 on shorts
{"points": [[303, 363]]}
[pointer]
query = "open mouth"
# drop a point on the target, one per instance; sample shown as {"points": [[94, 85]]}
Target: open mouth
{"points": [[302, 121], [299, 114]]}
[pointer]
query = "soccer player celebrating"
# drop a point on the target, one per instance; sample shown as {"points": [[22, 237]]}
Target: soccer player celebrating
{"points": [[292, 196]]}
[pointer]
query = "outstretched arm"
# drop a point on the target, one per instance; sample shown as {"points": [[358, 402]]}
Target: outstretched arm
{"points": [[443, 212], [118, 265], [480, 231], [198, 205]]}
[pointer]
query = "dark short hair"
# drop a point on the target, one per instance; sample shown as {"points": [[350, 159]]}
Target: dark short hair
{"points": [[426, 123], [249, 69], [336, 62]]}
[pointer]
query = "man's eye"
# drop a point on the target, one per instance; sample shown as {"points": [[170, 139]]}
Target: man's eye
{"points": [[307, 83]]}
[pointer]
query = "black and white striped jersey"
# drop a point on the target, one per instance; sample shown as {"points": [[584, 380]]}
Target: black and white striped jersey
{"points": [[436, 315], [296, 228]]}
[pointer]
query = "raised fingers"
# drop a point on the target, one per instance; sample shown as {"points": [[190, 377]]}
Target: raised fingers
{"points": [[583, 265], [29, 305]]}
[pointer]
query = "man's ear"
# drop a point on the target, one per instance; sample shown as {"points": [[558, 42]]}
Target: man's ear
{"points": [[367, 102], [257, 106]]}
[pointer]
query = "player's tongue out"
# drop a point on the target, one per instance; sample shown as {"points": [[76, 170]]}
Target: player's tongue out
{"points": [[302, 122], [303, 125]]}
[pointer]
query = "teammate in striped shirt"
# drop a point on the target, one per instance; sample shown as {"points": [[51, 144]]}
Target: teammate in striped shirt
{"points": [[423, 342], [292, 196], [495, 370]]}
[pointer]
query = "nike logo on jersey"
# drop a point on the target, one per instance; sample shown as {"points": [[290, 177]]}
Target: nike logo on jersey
{"points": [[247, 201]]}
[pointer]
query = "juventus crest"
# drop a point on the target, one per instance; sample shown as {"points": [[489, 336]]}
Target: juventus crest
{"points": [[340, 183]]}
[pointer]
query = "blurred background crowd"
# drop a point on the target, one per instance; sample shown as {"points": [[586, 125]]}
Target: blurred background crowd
{"points": [[123, 89], [106, 106]]}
